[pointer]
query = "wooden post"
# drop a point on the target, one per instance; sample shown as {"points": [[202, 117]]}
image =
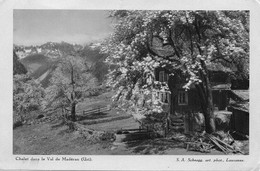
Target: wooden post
{"points": [[191, 122]]}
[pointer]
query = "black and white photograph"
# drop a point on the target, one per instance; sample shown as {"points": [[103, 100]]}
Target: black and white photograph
{"points": [[129, 85], [131, 82]]}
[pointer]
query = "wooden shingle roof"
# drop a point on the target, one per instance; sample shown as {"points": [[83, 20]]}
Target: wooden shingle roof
{"points": [[242, 95]]}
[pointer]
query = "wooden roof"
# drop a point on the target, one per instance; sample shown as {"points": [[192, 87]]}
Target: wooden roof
{"points": [[221, 87], [241, 106], [243, 95], [240, 100]]}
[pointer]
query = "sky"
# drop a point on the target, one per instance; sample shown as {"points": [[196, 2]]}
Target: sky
{"points": [[36, 27]]}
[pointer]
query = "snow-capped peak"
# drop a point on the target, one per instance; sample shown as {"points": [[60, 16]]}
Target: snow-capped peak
{"points": [[49, 49]]}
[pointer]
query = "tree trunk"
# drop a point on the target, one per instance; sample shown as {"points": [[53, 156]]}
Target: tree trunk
{"points": [[73, 112], [206, 97], [73, 104], [209, 114], [207, 109]]}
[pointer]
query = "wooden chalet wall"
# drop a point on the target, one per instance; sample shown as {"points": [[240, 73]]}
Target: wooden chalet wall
{"points": [[239, 120], [240, 111], [221, 99], [176, 82]]}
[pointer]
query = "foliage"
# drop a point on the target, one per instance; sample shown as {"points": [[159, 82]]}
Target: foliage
{"points": [[27, 95], [70, 83], [192, 42]]}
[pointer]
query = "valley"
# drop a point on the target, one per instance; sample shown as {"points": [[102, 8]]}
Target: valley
{"points": [[41, 61]]}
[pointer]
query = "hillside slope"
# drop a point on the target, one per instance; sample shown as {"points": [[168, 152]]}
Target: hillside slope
{"points": [[40, 67], [18, 67]]}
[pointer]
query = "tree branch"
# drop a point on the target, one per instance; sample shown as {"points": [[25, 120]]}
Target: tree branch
{"points": [[191, 44], [173, 44], [151, 51], [221, 58]]}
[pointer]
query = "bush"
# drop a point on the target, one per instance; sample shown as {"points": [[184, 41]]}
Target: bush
{"points": [[17, 124], [155, 122]]}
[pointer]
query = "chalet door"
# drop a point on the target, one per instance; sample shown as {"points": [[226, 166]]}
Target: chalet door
{"points": [[223, 100]]}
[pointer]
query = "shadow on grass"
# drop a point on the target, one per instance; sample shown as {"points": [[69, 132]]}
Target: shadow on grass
{"points": [[153, 146], [141, 143], [92, 116]]}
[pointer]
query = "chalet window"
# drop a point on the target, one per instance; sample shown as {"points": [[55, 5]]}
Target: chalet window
{"points": [[163, 97], [163, 77], [183, 98]]}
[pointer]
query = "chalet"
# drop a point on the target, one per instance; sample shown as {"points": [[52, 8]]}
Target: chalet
{"points": [[239, 106], [181, 100], [187, 102]]}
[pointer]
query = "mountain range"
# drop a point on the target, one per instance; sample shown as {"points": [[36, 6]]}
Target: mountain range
{"points": [[40, 61], [49, 49]]}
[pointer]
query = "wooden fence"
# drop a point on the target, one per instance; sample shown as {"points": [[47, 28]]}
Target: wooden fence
{"points": [[96, 110]]}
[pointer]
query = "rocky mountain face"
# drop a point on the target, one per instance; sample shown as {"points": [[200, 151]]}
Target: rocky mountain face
{"points": [[40, 67], [40, 61], [18, 67], [49, 49]]}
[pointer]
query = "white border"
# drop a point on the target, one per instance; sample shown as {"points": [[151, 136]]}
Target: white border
{"points": [[152, 162]]}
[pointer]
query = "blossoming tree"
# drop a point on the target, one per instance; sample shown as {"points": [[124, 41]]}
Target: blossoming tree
{"points": [[70, 84], [190, 41], [27, 96]]}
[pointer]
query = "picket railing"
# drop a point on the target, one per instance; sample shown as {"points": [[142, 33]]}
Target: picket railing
{"points": [[96, 110]]}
